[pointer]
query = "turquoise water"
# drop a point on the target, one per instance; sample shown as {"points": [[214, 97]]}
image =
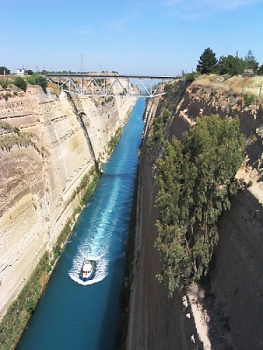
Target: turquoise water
{"points": [[73, 316]]}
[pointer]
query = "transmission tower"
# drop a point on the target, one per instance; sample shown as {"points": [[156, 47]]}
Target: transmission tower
{"points": [[81, 63]]}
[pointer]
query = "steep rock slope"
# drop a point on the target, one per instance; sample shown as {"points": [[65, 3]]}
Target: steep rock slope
{"points": [[44, 156], [155, 321], [226, 312], [237, 281]]}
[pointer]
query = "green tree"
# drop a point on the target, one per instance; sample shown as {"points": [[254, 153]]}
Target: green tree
{"points": [[30, 72], [195, 179], [21, 83], [207, 62], [231, 65], [260, 70], [4, 70], [42, 81], [251, 62]]}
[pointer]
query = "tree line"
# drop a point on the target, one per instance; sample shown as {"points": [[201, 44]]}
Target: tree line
{"points": [[232, 65]]}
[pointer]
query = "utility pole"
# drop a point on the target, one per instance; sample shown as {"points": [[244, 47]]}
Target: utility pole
{"points": [[81, 63]]}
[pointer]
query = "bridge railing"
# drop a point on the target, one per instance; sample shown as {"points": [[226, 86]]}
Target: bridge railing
{"points": [[109, 84]]}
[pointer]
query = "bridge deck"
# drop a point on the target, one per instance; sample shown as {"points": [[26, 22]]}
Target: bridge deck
{"points": [[109, 75], [110, 84]]}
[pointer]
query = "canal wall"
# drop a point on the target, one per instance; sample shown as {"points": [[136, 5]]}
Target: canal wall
{"points": [[44, 157], [155, 321], [225, 310]]}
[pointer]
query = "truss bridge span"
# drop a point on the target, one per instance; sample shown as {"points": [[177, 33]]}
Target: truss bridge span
{"points": [[110, 84]]}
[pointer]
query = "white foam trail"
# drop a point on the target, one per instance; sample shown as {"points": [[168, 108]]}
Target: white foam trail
{"points": [[96, 244]]}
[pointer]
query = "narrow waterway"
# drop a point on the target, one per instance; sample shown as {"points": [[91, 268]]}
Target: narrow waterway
{"points": [[70, 315]]}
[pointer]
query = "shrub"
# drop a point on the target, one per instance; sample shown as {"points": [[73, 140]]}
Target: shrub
{"points": [[42, 81], [30, 305], [190, 77], [114, 140], [6, 96], [20, 83], [37, 80], [250, 183], [31, 80], [3, 83], [90, 190], [76, 211], [249, 100]]}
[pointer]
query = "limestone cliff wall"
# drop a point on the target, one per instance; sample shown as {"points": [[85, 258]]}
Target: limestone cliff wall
{"points": [[226, 313], [42, 163]]}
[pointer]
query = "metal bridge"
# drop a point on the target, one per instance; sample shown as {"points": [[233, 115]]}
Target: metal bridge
{"points": [[110, 84]]}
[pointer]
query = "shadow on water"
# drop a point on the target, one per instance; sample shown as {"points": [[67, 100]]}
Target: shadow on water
{"points": [[108, 316]]}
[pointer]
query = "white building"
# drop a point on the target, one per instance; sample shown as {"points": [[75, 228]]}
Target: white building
{"points": [[21, 71]]}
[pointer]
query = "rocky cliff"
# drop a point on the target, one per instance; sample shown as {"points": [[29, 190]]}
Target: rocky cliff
{"points": [[225, 310], [48, 143]]}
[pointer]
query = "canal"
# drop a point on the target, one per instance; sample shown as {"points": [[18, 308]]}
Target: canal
{"points": [[71, 315]]}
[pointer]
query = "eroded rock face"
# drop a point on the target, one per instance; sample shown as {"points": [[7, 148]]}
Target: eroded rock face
{"points": [[44, 155], [237, 280], [233, 97]]}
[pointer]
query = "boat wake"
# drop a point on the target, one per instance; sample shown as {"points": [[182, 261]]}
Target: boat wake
{"points": [[100, 274], [96, 243]]}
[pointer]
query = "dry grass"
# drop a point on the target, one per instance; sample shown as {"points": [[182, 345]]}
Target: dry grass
{"points": [[235, 85], [54, 88]]}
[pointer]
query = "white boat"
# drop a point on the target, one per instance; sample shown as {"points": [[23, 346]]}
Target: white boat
{"points": [[87, 271]]}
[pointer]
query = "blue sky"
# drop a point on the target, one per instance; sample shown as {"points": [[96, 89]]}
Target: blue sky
{"points": [[131, 37]]}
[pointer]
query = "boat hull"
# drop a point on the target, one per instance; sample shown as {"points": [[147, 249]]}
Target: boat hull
{"points": [[88, 270]]}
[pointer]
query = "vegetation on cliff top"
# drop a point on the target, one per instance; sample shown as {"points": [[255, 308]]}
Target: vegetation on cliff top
{"points": [[208, 63], [22, 83], [195, 179]]}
